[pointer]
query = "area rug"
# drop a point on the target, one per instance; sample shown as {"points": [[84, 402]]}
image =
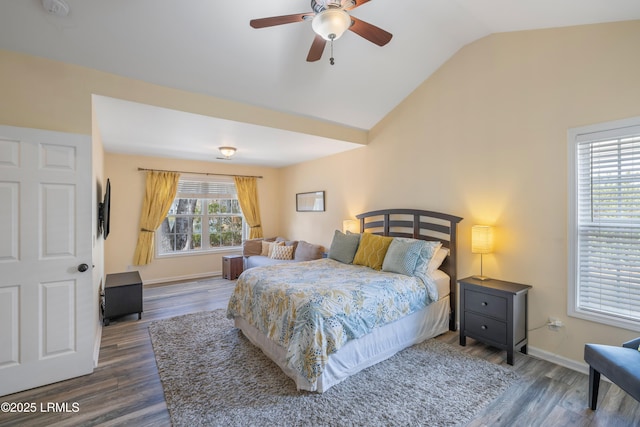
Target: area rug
{"points": [[212, 375]]}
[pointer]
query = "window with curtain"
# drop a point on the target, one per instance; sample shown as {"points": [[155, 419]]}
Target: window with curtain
{"points": [[604, 241], [205, 216]]}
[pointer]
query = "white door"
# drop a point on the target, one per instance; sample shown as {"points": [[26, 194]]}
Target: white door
{"points": [[47, 319]]}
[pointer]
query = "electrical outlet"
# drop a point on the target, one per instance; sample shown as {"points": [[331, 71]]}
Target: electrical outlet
{"points": [[554, 323]]}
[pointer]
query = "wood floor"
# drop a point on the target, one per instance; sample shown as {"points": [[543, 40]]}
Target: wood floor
{"points": [[125, 388]]}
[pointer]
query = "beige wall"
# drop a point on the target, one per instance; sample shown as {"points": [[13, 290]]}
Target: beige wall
{"points": [[127, 193], [53, 95], [485, 138]]}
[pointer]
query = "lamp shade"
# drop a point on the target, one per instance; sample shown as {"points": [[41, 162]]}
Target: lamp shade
{"points": [[481, 239], [351, 225], [331, 23]]}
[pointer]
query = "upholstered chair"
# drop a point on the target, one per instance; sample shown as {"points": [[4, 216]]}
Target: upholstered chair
{"points": [[620, 364]]}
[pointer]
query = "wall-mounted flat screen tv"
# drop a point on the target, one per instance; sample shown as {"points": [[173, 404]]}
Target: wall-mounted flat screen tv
{"points": [[104, 212]]}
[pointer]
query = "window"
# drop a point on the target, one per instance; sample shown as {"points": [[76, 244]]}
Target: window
{"points": [[604, 221], [205, 216]]}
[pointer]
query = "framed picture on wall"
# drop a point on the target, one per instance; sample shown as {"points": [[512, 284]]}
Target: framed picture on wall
{"points": [[310, 202]]}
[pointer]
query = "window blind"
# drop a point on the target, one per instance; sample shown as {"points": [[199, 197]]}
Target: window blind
{"points": [[199, 188], [608, 223]]}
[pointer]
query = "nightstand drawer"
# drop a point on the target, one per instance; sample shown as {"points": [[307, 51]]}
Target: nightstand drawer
{"points": [[486, 328], [482, 303]]}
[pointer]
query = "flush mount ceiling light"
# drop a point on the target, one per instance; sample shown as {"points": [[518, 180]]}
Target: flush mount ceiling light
{"points": [[227, 152], [56, 7]]}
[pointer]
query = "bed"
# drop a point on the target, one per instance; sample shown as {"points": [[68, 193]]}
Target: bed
{"points": [[322, 321]]}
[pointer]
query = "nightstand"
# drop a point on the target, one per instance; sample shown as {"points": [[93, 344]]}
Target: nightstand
{"points": [[495, 313], [122, 295], [232, 266]]}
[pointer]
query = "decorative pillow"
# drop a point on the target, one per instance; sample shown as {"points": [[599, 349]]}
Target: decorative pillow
{"points": [[427, 251], [252, 247], [372, 250], [281, 252], [402, 257], [306, 251], [293, 243], [344, 246], [267, 247], [437, 259]]}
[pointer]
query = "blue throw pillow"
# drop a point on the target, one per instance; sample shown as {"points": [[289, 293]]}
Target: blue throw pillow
{"points": [[402, 257], [344, 246], [427, 251]]}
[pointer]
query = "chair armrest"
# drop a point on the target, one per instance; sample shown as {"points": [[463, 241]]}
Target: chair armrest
{"points": [[635, 343]]}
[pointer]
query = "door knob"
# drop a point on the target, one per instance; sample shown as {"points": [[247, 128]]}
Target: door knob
{"points": [[82, 268]]}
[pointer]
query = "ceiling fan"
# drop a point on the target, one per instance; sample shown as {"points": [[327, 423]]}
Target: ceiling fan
{"points": [[329, 20]]}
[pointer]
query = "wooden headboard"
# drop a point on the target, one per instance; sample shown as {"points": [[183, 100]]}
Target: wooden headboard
{"points": [[423, 225]]}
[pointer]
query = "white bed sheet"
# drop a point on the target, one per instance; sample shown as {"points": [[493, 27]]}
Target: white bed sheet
{"points": [[368, 350], [442, 280]]}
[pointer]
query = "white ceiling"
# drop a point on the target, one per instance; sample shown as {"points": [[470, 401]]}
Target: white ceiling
{"points": [[133, 128], [208, 47]]}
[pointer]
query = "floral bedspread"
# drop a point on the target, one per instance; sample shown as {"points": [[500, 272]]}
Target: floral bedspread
{"points": [[313, 308]]}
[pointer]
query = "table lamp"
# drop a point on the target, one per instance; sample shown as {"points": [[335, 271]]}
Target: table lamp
{"points": [[481, 243]]}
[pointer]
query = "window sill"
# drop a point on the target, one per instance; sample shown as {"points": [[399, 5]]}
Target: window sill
{"points": [[617, 322], [230, 249]]}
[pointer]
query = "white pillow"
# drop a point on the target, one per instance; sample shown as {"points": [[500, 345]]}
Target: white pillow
{"points": [[437, 259]]}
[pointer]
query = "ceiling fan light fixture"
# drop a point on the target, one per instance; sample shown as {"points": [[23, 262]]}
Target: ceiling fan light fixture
{"points": [[56, 7], [330, 24], [227, 151]]}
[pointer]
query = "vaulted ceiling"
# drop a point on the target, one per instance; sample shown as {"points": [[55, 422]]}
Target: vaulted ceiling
{"points": [[208, 47]]}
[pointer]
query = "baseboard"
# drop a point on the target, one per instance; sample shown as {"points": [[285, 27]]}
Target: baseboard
{"points": [[183, 278], [581, 367], [558, 360]]}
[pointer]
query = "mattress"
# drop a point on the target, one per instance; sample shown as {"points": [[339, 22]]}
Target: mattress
{"points": [[380, 344]]}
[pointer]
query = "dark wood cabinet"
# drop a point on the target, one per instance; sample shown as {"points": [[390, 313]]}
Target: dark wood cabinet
{"points": [[232, 266], [495, 313], [122, 295]]}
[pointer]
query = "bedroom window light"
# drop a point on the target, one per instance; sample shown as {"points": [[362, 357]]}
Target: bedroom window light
{"points": [[604, 223], [205, 216]]}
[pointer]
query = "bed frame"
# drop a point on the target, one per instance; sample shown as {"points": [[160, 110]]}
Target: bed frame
{"points": [[423, 225]]}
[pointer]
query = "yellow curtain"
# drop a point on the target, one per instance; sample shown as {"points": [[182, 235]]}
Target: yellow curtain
{"points": [[160, 192], [248, 197]]}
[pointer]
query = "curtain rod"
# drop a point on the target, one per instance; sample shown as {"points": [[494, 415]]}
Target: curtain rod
{"points": [[200, 173]]}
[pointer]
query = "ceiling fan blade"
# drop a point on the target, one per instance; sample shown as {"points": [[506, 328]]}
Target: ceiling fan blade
{"points": [[279, 20], [370, 32], [358, 3], [317, 47]]}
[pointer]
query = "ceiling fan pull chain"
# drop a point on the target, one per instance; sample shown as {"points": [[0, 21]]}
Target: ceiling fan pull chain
{"points": [[331, 61]]}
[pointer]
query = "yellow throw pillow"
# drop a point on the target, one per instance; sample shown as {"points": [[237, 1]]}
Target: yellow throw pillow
{"points": [[372, 250]]}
